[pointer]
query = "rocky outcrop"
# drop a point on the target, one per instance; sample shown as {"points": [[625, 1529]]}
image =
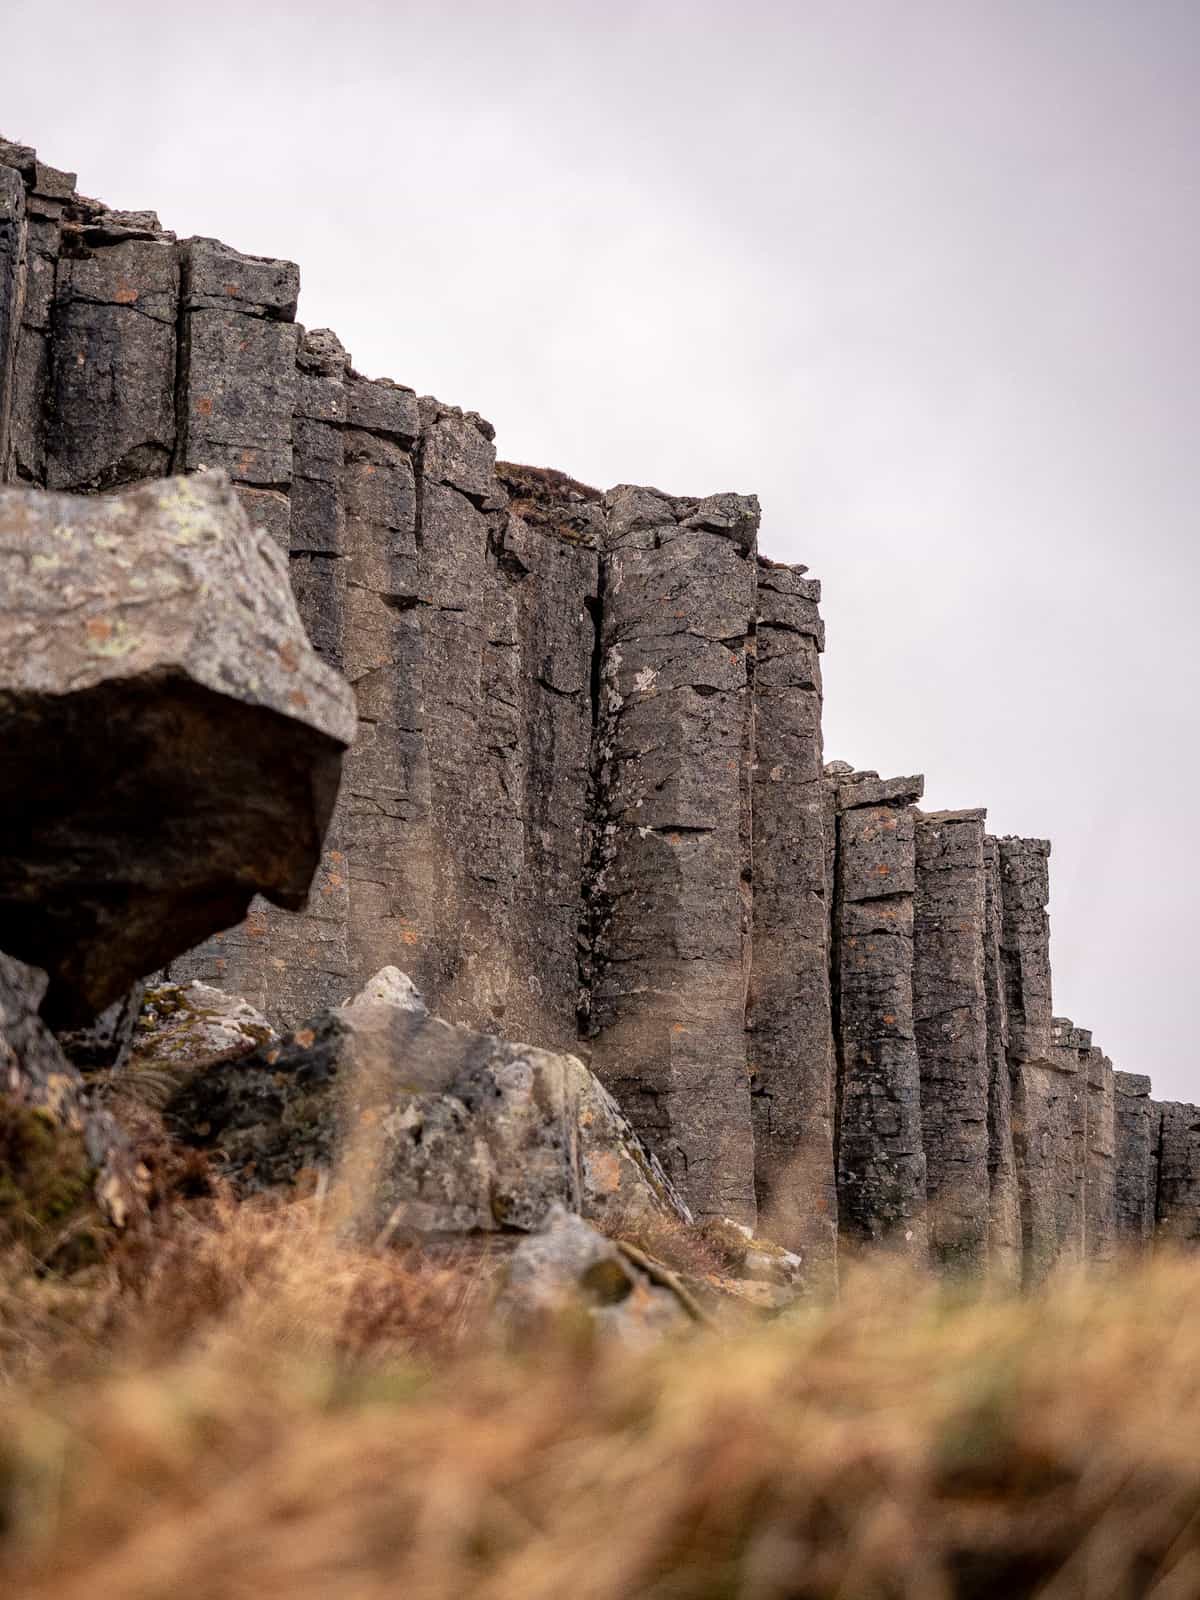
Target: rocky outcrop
{"points": [[432, 1129], [171, 743], [37, 1077], [585, 806]]}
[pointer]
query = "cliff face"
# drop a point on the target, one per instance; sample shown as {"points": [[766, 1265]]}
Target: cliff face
{"points": [[587, 805]]}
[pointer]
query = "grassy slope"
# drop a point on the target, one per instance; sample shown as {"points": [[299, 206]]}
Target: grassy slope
{"points": [[235, 1410]]}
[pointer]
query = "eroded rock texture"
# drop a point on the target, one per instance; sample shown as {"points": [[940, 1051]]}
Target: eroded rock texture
{"points": [[431, 1128], [881, 1167], [669, 896], [171, 744], [950, 1010], [788, 1018], [585, 803]]}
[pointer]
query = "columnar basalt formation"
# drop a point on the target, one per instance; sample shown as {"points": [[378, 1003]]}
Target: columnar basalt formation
{"points": [[788, 1012], [950, 1010], [586, 806], [881, 1166]]}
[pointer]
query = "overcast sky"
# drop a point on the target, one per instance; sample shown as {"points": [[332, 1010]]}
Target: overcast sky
{"points": [[924, 274]]}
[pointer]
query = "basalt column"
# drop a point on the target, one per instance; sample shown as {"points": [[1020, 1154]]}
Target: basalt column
{"points": [[1178, 1207], [291, 965], [12, 293], [950, 1014], [1004, 1197], [110, 416], [237, 381], [880, 1154], [790, 1039], [48, 194], [670, 860], [1046, 1082], [1137, 1137]]}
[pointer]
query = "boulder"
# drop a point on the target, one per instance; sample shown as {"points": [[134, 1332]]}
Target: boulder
{"points": [[36, 1077], [437, 1130], [569, 1269], [172, 744], [185, 1025]]}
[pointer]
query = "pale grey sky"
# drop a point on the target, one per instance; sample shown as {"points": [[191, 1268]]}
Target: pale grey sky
{"points": [[921, 273]]}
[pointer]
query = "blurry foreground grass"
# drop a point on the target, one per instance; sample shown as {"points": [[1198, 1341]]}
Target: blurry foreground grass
{"points": [[236, 1410]]}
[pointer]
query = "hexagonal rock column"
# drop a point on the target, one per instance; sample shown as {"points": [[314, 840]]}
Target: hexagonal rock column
{"points": [[1138, 1127], [1045, 1079], [950, 1016], [1179, 1174], [668, 892], [880, 1152], [788, 1022], [172, 744]]}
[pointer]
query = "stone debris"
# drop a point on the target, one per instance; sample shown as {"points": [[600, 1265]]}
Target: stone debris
{"points": [[586, 805], [35, 1074], [435, 1129], [569, 1269]]}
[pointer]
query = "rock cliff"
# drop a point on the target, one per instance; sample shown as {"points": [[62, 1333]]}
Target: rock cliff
{"points": [[587, 805]]}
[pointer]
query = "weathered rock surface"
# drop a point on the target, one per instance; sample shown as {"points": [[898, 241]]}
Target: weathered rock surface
{"points": [[585, 798], [435, 1129], [788, 1020], [950, 1010], [35, 1074], [566, 1268], [668, 897], [185, 1025], [171, 743], [1138, 1127], [881, 1155]]}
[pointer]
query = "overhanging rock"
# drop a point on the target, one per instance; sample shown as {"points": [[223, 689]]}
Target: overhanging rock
{"points": [[172, 744]]}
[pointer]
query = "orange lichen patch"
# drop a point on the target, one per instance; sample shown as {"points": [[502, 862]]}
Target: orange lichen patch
{"points": [[272, 1057], [98, 629], [604, 1169], [124, 294], [368, 1116], [883, 870], [678, 1027], [889, 1019], [289, 655], [299, 699], [232, 289], [204, 406], [304, 1037], [256, 925]]}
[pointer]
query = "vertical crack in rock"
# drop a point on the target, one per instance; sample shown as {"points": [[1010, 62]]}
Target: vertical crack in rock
{"points": [[950, 1015], [788, 1021], [12, 294], [1004, 1198], [881, 1156], [668, 982], [1178, 1209]]}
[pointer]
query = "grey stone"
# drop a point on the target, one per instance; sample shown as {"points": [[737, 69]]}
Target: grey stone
{"points": [[790, 1037], [1004, 1195], [950, 1012], [150, 641], [34, 1072], [1137, 1140], [1178, 1209], [435, 1129], [568, 1269], [668, 889], [881, 1157]]}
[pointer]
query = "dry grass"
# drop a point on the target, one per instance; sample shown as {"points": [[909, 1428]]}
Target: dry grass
{"points": [[238, 1409]]}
